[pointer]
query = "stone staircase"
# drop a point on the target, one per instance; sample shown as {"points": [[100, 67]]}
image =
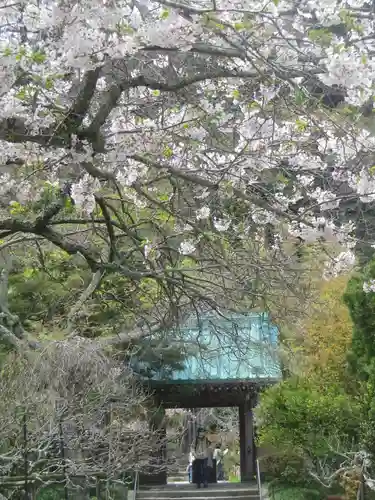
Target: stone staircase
{"points": [[180, 476], [186, 491]]}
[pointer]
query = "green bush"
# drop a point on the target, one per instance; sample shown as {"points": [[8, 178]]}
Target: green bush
{"points": [[297, 415], [51, 493], [361, 306], [292, 493], [285, 468], [304, 422], [56, 492]]}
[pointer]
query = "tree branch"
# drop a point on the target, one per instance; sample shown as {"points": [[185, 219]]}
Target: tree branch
{"points": [[86, 294], [9, 338], [198, 48], [44, 219], [15, 131], [114, 93], [17, 226], [111, 232], [196, 179], [85, 95]]}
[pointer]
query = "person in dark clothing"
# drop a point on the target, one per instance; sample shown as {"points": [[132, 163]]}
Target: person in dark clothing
{"points": [[202, 459]]}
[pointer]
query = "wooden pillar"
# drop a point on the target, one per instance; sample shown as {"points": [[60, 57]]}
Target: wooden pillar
{"points": [[247, 444]]}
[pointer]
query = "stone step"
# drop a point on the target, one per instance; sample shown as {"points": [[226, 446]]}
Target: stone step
{"points": [[191, 492], [207, 496]]}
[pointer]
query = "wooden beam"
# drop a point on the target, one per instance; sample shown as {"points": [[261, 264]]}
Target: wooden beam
{"points": [[205, 395]]}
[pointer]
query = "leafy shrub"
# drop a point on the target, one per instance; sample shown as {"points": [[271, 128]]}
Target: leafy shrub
{"points": [[361, 305], [284, 492], [296, 415], [51, 493], [285, 468]]}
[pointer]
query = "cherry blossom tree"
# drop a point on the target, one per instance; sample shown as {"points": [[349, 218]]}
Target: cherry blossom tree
{"points": [[181, 144]]}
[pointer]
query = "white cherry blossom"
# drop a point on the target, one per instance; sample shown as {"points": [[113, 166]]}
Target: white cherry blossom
{"points": [[369, 286], [187, 247], [203, 213], [243, 115]]}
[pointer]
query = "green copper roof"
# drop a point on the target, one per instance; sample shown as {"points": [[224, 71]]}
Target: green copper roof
{"points": [[230, 348]]}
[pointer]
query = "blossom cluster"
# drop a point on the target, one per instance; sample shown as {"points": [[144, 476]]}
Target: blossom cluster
{"points": [[222, 95], [369, 286]]}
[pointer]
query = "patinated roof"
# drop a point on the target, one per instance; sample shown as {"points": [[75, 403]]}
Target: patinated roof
{"points": [[228, 347]]}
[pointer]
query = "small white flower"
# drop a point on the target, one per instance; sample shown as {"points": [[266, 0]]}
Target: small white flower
{"points": [[343, 263], [203, 213], [83, 193], [221, 224], [187, 247], [369, 286], [147, 249]]}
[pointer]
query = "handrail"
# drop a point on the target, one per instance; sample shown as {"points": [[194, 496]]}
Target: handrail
{"points": [[136, 484], [259, 481]]}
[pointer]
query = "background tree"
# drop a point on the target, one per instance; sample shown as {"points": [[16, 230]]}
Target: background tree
{"points": [[313, 420], [359, 297], [335, 377], [71, 415], [325, 335]]}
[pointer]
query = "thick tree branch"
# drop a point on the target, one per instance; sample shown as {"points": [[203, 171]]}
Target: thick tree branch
{"points": [[86, 294], [199, 48], [141, 331], [17, 226], [114, 93], [85, 95], [111, 233], [14, 129], [71, 248], [50, 212], [8, 338]]}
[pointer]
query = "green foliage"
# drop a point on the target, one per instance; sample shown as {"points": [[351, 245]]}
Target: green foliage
{"points": [[327, 336], [362, 355], [114, 491], [304, 422], [321, 36], [295, 414], [45, 284], [50, 194], [234, 479], [51, 493], [362, 311], [300, 97], [41, 288], [38, 57], [285, 468], [282, 492]]}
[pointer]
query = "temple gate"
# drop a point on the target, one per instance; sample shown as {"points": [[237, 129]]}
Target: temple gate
{"points": [[232, 358]]}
